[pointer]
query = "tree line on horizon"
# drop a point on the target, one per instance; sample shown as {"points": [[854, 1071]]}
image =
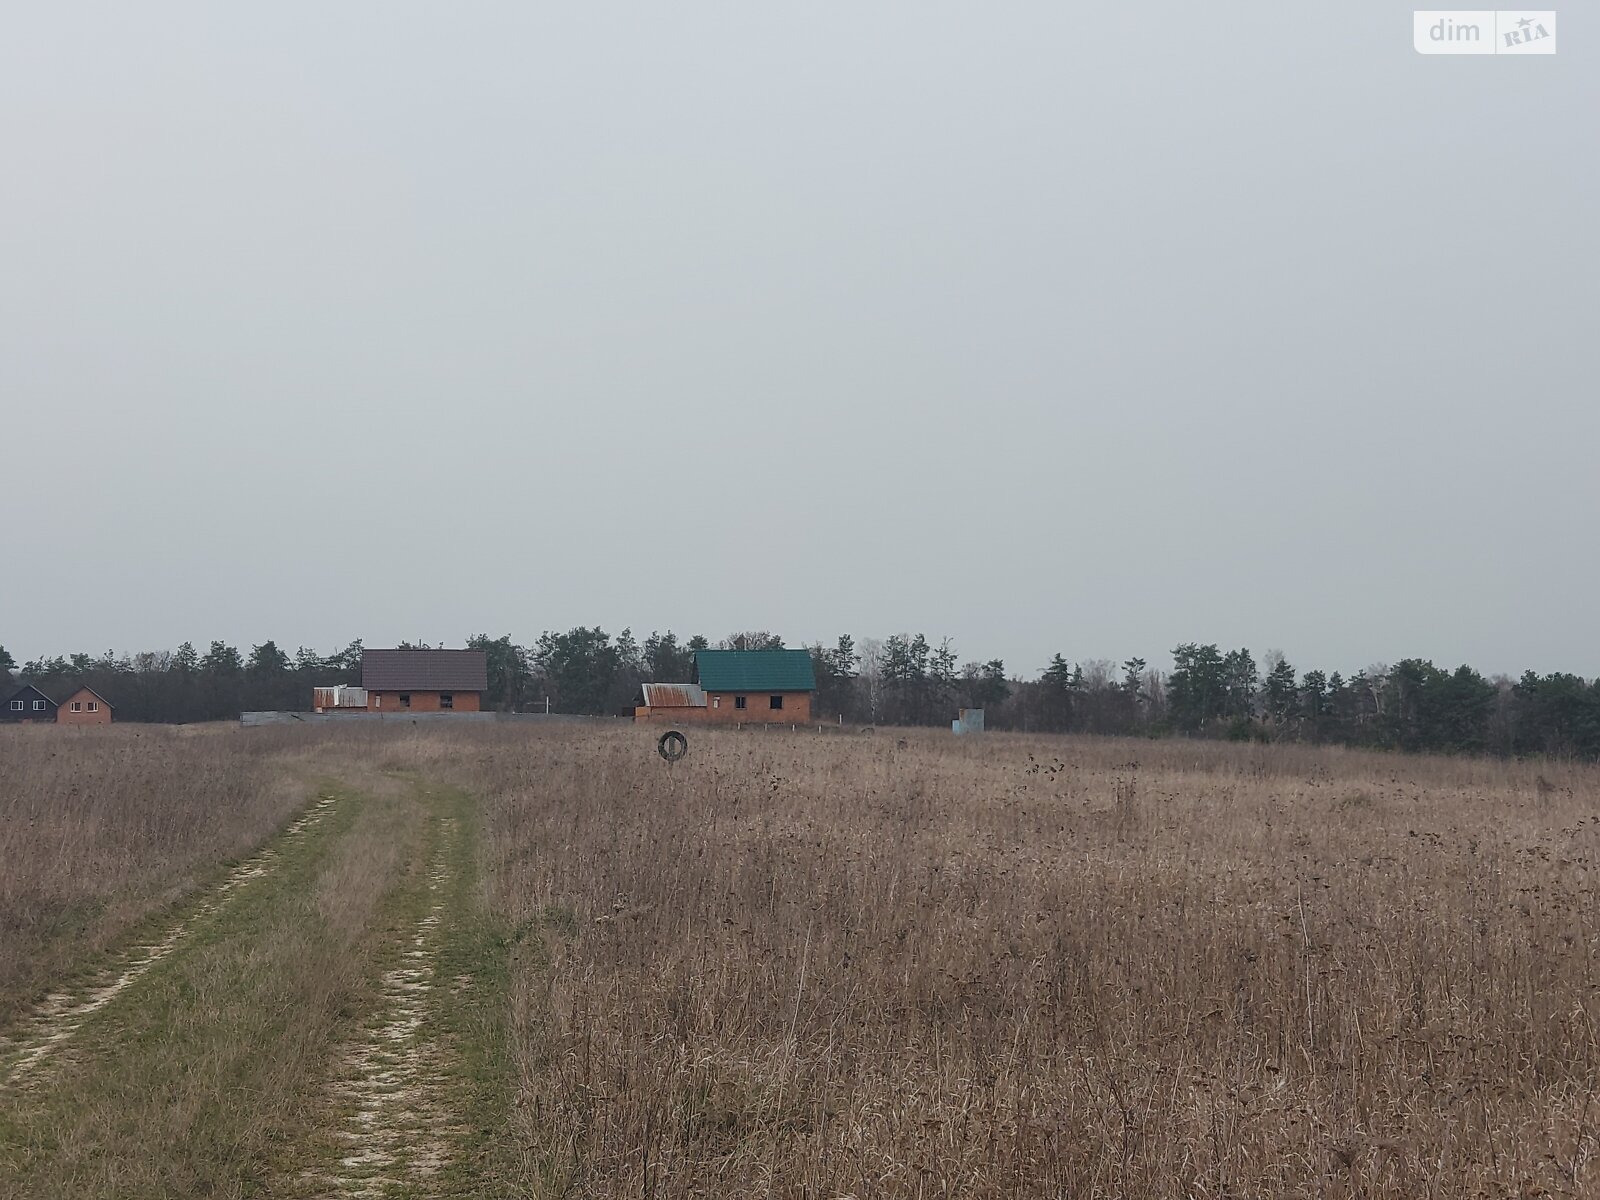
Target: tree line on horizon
{"points": [[907, 679]]}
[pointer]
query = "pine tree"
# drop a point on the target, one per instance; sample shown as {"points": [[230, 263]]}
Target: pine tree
{"points": [[836, 677], [843, 659], [1197, 687], [629, 657], [1240, 681], [942, 674], [580, 667], [1280, 693], [266, 660], [1060, 682], [1133, 677], [666, 661], [754, 639], [1314, 695], [222, 659], [1058, 675], [506, 664], [995, 686]]}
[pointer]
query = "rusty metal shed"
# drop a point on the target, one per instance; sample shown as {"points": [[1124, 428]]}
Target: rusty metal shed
{"points": [[674, 695]]}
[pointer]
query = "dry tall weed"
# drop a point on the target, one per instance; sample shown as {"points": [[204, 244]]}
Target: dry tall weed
{"points": [[1008, 966], [100, 827], [997, 966]]}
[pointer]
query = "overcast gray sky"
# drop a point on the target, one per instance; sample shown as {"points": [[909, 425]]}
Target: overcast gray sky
{"points": [[1041, 326]]}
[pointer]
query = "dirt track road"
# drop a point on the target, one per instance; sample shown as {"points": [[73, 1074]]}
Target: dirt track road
{"points": [[320, 1021]]}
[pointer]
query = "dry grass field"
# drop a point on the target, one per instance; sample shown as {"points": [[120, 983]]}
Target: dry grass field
{"points": [[98, 829], [795, 965], [1009, 967]]}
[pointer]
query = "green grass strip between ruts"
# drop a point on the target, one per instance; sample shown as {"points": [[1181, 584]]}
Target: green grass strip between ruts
{"points": [[192, 1080]]}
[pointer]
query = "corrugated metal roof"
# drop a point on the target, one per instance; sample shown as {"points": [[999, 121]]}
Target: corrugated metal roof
{"points": [[755, 670], [674, 695], [425, 670]]}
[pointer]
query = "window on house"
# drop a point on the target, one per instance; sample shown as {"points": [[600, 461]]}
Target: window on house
{"points": [[447, 700], [405, 699], [716, 702], [77, 706], [775, 702], [738, 701], [38, 706], [93, 706], [18, 705]]}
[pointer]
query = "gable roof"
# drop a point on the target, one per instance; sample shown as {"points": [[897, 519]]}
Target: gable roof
{"points": [[755, 670], [673, 695], [425, 670], [23, 690], [83, 687]]}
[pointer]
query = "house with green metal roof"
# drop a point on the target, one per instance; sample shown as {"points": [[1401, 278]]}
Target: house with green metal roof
{"points": [[756, 670], [757, 685], [769, 687]]}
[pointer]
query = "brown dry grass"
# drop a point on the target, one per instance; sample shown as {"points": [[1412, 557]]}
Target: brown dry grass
{"points": [[101, 828], [833, 966], [203, 1080], [1011, 966]]}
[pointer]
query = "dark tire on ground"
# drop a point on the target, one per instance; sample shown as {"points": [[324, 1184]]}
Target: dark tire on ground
{"points": [[672, 745]]}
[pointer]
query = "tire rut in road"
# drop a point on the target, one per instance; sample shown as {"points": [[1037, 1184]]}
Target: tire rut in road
{"points": [[396, 1131], [60, 1015]]}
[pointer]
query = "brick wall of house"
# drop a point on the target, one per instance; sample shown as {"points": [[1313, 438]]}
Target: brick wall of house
{"points": [[722, 707], [99, 715], [671, 716], [389, 702]]}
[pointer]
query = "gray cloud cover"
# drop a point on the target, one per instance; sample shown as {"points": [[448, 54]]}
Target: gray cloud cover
{"points": [[1040, 326]]}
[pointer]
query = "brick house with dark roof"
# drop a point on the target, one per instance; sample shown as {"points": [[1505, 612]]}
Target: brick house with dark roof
{"points": [[424, 680]]}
